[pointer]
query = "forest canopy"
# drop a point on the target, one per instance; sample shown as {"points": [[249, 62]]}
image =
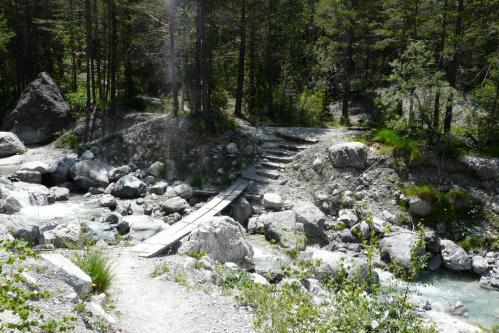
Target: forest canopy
{"points": [[423, 68]]}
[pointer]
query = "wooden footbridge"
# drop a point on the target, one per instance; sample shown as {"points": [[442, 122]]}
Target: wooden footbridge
{"points": [[166, 238]]}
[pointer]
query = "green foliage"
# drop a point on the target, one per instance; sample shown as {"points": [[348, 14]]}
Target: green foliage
{"points": [[67, 139], [77, 101], [402, 146], [480, 243], [160, 269], [96, 264], [196, 254], [197, 181], [5, 33], [18, 298]]}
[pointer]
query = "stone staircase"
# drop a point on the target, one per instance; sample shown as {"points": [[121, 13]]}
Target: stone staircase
{"points": [[280, 150]]}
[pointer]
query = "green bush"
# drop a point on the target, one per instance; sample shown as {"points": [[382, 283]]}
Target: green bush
{"points": [[197, 181], [96, 264], [402, 146], [67, 139]]}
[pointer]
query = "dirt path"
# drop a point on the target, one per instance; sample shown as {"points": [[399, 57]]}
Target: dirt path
{"points": [[155, 305]]}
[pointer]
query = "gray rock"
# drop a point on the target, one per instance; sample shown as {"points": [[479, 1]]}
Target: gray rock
{"points": [[129, 187], [362, 230], [60, 193], [419, 207], [97, 231], [483, 167], [232, 148], [24, 230], [347, 236], [349, 155], [223, 239], [88, 174], [68, 272], [142, 226], [59, 170], [62, 236], [184, 191], [241, 210], [159, 188], [272, 201], [10, 205], [4, 234], [318, 164], [457, 308], [348, 217], [454, 257], [157, 169], [258, 279], [40, 112], [284, 229], [107, 200], [10, 145], [313, 220], [38, 166], [174, 205], [255, 225], [116, 173], [39, 195], [432, 240], [123, 227], [380, 226], [33, 177], [435, 262], [87, 155], [398, 247], [479, 265], [333, 263], [111, 218]]}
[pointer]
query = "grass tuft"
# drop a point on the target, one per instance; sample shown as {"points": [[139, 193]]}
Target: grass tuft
{"points": [[96, 264]]}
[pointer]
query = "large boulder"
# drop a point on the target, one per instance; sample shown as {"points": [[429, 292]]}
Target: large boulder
{"points": [[336, 263], [454, 257], [349, 155], [398, 247], [62, 236], [38, 166], [283, 228], [241, 210], [272, 201], [29, 176], [174, 205], [142, 226], [312, 219], [10, 145], [59, 170], [37, 194], [223, 239], [129, 187], [40, 112], [419, 207], [68, 272], [157, 169], [90, 173], [184, 191], [485, 168]]}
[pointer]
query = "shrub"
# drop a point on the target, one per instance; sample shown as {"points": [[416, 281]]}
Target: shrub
{"points": [[402, 146], [197, 181], [96, 264], [67, 139]]}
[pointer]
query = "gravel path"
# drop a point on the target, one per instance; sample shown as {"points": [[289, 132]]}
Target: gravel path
{"points": [[155, 305]]}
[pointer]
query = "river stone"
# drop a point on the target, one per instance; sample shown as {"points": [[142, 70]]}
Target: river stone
{"points": [[40, 112], [4, 234], [60, 193], [255, 225], [485, 168], [24, 230], [454, 257], [68, 272], [232, 148], [59, 170], [479, 265], [159, 188], [174, 205], [184, 191], [349, 155], [41, 167], [116, 173], [33, 177], [332, 263], [98, 231], [10, 205], [397, 247], [107, 200], [272, 201], [111, 218], [141, 226], [241, 210], [362, 230], [87, 155], [62, 236], [435, 262], [419, 207], [157, 169], [129, 187], [348, 217], [223, 239], [90, 173], [283, 228], [39, 195], [432, 240], [312, 219], [10, 145]]}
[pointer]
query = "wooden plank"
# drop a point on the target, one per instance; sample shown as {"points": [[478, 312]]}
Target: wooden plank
{"points": [[182, 228]]}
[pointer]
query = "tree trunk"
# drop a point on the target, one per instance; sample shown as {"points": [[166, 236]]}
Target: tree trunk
{"points": [[347, 77], [88, 32], [173, 55], [242, 56], [452, 74]]}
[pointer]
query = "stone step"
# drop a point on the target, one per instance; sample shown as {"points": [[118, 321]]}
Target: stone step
{"points": [[267, 173], [280, 159], [257, 179], [279, 152], [295, 138], [292, 147], [272, 165]]}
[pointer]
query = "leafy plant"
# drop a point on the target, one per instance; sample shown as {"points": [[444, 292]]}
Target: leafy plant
{"points": [[96, 264], [160, 269], [401, 146]]}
